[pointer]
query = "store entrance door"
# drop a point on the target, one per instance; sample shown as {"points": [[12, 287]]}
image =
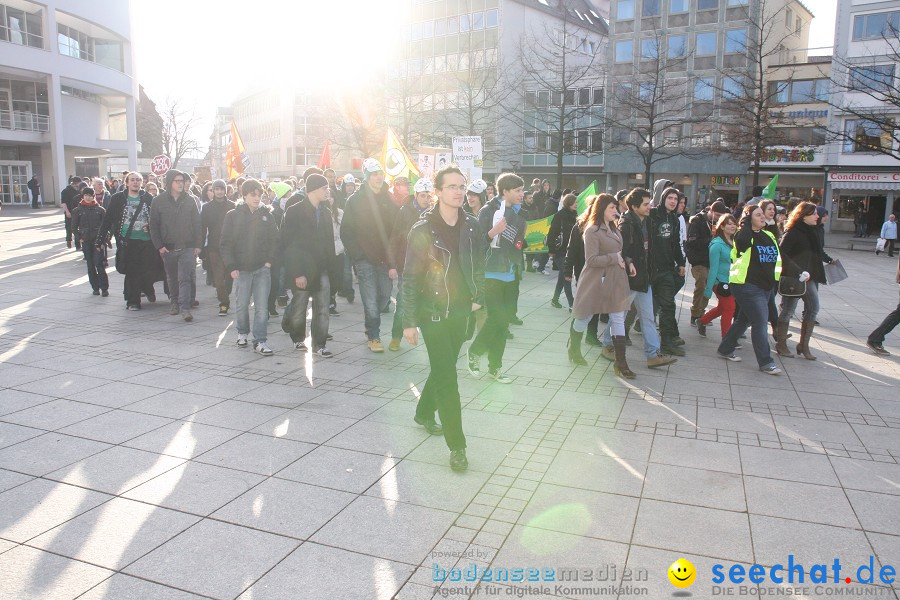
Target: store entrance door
{"points": [[877, 204]]}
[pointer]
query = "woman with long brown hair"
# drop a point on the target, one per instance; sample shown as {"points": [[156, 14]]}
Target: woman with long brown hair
{"points": [[603, 285], [803, 259], [717, 281]]}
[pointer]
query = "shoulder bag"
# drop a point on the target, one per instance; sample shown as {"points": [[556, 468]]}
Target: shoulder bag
{"points": [[791, 287]]}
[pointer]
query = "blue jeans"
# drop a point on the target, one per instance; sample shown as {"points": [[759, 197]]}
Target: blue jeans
{"points": [[255, 284], [810, 304], [644, 303], [181, 268], [562, 284], [754, 302], [375, 290], [616, 323]]}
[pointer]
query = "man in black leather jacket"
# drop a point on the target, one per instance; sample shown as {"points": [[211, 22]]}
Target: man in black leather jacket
{"points": [[443, 282]]}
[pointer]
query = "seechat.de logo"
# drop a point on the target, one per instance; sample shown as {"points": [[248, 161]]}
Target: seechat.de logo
{"points": [[682, 573]]}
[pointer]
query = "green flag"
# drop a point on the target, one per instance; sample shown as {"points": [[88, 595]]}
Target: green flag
{"points": [[769, 191], [590, 190]]}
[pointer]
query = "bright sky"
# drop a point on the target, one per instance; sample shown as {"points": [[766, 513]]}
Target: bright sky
{"points": [[207, 52]]}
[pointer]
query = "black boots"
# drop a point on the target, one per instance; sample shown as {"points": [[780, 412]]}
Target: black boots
{"points": [[575, 346], [620, 366]]}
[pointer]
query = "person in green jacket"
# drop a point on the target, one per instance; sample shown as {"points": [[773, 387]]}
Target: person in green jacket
{"points": [[717, 280]]}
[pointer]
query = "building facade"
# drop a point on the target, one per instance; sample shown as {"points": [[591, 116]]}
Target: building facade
{"points": [[867, 42], [704, 50], [67, 91]]}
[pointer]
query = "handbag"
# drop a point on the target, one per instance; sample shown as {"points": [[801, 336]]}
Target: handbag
{"points": [[880, 244], [835, 272], [723, 289], [791, 287], [122, 244]]}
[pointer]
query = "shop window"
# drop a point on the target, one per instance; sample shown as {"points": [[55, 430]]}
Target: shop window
{"points": [[861, 135]]}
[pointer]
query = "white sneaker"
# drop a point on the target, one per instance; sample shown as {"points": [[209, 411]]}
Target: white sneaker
{"points": [[324, 353], [771, 370], [732, 357], [300, 346], [263, 348], [242, 340]]}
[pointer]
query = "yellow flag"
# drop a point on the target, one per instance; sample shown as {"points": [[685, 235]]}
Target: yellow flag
{"points": [[396, 159], [236, 160]]}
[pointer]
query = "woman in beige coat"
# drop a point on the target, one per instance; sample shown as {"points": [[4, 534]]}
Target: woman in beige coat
{"points": [[603, 285]]}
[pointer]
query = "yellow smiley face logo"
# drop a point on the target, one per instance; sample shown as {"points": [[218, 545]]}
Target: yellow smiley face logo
{"points": [[682, 573]]}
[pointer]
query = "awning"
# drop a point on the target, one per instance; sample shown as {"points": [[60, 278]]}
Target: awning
{"points": [[865, 185]]}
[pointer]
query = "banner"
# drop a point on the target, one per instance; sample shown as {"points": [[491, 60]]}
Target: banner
{"points": [[537, 230], [467, 154], [431, 160], [396, 160], [236, 159]]}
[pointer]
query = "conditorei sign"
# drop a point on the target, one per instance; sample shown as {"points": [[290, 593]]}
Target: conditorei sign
{"points": [[842, 176]]}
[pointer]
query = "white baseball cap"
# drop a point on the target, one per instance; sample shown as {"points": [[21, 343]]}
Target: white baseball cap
{"points": [[370, 165], [477, 187], [349, 178], [423, 185]]}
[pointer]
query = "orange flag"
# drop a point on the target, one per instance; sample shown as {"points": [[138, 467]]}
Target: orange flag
{"points": [[325, 159], [236, 160]]}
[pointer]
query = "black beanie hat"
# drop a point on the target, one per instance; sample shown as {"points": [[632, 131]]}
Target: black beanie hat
{"points": [[315, 182]]}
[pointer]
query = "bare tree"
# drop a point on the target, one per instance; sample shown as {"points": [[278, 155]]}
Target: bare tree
{"points": [[178, 137], [647, 113], [749, 114], [357, 126], [557, 60], [868, 95]]}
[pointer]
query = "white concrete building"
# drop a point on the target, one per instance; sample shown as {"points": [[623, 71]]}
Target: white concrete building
{"points": [[866, 40], [67, 90]]}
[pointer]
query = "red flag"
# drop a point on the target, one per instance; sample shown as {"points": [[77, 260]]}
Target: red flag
{"points": [[325, 159]]}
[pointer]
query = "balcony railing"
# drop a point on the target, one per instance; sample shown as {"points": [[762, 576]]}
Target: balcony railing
{"points": [[23, 121]]}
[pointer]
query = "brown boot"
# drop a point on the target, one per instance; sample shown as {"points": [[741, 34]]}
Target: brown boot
{"points": [[781, 340], [806, 331], [620, 366]]}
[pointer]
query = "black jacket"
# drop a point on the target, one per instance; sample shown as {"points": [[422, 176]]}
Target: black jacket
{"points": [[407, 217], [308, 249], [633, 251], [212, 217], [424, 293], [115, 215], [575, 253], [551, 205], [249, 239], [366, 227], [800, 251], [665, 241], [820, 233], [560, 230], [175, 223], [87, 220], [70, 197], [699, 235]]}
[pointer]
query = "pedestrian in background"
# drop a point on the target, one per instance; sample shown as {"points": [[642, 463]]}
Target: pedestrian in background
{"points": [[87, 220]]}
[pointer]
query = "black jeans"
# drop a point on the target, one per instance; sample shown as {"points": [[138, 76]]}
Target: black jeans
{"points": [[562, 284], [664, 289], [139, 268], [499, 299], [96, 266], [69, 232], [443, 341], [890, 321]]}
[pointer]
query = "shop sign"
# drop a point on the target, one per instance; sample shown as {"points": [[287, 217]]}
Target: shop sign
{"points": [[835, 176], [798, 114], [781, 154], [725, 180]]}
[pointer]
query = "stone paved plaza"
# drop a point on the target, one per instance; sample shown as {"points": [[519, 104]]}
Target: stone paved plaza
{"points": [[143, 457]]}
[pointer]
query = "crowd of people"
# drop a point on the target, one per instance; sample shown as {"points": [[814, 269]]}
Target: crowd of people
{"points": [[456, 250]]}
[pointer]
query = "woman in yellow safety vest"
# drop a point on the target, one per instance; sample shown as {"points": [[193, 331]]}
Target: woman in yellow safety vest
{"points": [[755, 270]]}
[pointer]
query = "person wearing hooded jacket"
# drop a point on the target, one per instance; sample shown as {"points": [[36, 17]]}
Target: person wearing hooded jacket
{"points": [[667, 263], [87, 219], [365, 231], [410, 213], [558, 242], [212, 217], [802, 256], [699, 236]]}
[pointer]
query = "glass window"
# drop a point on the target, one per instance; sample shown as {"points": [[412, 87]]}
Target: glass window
{"points": [[416, 32], [477, 20], [778, 91], [867, 136], [703, 89], [677, 46], [706, 44], [649, 50], [598, 95], [707, 4], [737, 2], [625, 10], [543, 99], [650, 8], [803, 91], [735, 41], [679, 6], [440, 27], [733, 88], [452, 24], [427, 29], [624, 51], [584, 97], [463, 23], [647, 91], [823, 88], [491, 18], [878, 78]]}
